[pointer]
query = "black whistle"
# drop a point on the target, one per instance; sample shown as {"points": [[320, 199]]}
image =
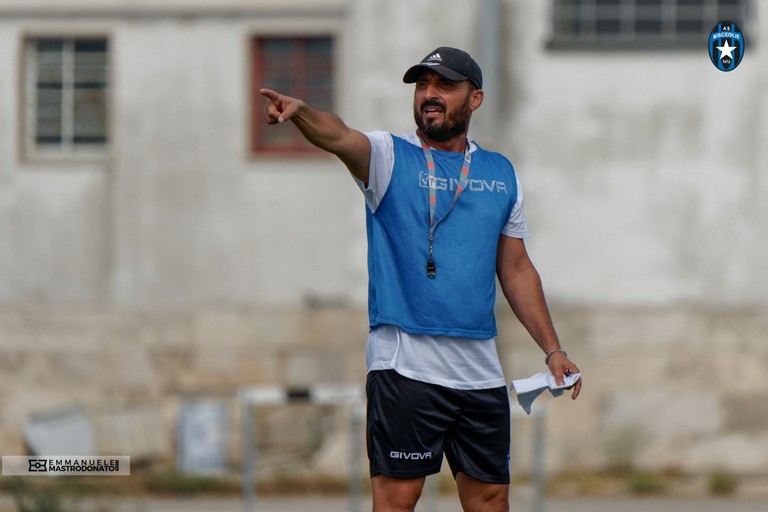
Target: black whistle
{"points": [[431, 268]]}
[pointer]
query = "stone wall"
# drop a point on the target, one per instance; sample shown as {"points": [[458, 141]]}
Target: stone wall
{"points": [[664, 388]]}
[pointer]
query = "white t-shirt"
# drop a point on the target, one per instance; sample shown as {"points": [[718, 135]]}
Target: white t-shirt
{"points": [[452, 362]]}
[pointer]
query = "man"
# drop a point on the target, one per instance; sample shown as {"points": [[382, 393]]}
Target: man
{"points": [[444, 219]]}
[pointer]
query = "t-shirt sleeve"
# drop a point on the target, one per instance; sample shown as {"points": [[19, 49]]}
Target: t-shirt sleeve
{"points": [[380, 170], [516, 226]]}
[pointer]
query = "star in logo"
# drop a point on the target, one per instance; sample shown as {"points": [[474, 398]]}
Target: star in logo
{"points": [[726, 50]]}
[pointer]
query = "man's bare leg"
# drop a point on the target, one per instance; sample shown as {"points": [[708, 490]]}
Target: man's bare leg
{"points": [[478, 496], [395, 494]]}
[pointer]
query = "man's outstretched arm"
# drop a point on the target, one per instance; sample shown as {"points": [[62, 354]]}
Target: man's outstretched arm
{"points": [[521, 285], [325, 130]]}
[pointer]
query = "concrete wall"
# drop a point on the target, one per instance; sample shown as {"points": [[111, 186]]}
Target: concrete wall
{"points": [[646, 169], [178, 213], [179, 265], [666, 388]]}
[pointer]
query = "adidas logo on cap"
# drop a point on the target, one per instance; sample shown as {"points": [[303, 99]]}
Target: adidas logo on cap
{"points": [[454, 64]]}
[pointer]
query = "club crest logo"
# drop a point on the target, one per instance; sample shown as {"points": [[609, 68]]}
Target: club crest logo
{"points": [[726, 46]]}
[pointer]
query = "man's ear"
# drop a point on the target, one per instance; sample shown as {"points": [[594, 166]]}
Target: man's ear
{"points": [[476, 99]]}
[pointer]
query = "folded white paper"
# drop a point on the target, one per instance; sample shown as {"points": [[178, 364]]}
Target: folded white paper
{"points": [[529, 389]]}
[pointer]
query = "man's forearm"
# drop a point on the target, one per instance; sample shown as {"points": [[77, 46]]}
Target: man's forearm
{"points": [[525, 296], [323, 129]]}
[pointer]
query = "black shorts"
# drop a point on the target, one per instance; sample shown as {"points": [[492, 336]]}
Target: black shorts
{"points": [[411, 424]]}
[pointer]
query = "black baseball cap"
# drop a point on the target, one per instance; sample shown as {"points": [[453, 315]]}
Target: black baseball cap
{"points": [[452, 63]]}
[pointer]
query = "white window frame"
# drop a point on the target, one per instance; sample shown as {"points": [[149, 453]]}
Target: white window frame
{"points": [[67, 150]]}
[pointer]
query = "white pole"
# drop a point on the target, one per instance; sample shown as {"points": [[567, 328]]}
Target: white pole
{"points": [[539, 426], [249, 453], [357, 412]]}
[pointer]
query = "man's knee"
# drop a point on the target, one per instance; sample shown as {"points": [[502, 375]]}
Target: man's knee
{"points": [[478, 496], [395, 494]]}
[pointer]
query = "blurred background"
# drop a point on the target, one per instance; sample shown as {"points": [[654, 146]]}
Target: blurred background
{"points": [[161, 248]]}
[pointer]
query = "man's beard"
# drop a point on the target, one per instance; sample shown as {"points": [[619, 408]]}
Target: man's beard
{"points": [[455, 123]]}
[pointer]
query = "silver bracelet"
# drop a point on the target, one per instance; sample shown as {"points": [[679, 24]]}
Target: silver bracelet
{"points": [[549, 354]]}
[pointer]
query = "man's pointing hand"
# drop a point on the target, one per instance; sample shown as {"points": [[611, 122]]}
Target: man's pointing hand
{"points": [[279, 108]]}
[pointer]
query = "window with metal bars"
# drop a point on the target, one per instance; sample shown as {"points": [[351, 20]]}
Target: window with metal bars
{"points": [[67, 86], [640, 24], [301, 67]]}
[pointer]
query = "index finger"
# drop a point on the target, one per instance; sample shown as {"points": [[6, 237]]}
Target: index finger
{"points": [[271, 95]]}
